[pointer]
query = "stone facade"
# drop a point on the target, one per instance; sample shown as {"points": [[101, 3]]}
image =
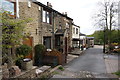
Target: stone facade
{"points": [[42, 31], [33, 13]]}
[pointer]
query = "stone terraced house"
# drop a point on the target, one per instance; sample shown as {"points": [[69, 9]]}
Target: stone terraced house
{"points": [[48, 26]]}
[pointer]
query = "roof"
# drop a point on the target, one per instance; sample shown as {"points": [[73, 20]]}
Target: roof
{"points": [[90, 37], [40, 4], [81, 34], [75, 25], [60, 32]]}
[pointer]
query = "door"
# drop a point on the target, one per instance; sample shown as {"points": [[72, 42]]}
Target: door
{"points": [[29, 41], [47, 42]]}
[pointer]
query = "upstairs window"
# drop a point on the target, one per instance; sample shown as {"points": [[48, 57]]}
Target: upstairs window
{"points": [[73, 30], [46, 16], [9, 5], [67, 25], [76, 30]]}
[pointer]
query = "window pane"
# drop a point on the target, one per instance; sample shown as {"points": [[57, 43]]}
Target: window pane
{"points": [[76, 31], [73, 30], [8, 6], [44, 16], [48, 17]]}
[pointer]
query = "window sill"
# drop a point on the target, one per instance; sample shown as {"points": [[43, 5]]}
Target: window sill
{"points": [[47, 23]]}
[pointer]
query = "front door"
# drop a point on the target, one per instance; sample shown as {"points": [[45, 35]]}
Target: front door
{"points": [[29, 41], [47, 42]]}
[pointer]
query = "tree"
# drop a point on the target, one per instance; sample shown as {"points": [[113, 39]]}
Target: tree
{"points": [[106, 18], [12, 33], [99, 36]]}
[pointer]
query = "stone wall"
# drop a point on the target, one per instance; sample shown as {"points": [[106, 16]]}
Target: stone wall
{"points": [[43, 29], [60, 23], [32, 12]]}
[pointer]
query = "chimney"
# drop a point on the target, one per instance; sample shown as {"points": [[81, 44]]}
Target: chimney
{"points": [[49, 4], [66, 13]]}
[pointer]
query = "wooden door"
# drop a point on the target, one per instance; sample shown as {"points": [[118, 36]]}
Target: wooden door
{"points": [[29, 41]]}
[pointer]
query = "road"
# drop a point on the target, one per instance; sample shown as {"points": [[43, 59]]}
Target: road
{"points": [[92, 60]]}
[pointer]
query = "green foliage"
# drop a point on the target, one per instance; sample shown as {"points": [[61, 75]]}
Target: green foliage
{"points": [[12, 33], [18, 62], [12, 30], [117, 73], [23, 50], [99, 36], [39, 50], [61, 68]]}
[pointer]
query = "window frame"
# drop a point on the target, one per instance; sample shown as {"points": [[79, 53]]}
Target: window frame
{"points": [[46, 16], [14, 3], [73, 30], [76, 30]]}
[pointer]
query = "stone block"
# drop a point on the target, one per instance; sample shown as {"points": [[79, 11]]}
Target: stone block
{"points": [[14, 70], [5, 71]]}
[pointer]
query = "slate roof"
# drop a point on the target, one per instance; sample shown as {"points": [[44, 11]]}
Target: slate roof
{"points": [[40, 4]]}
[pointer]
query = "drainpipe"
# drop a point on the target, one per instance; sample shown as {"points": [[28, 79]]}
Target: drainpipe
{"points": [[17, 9], [53, 35]]}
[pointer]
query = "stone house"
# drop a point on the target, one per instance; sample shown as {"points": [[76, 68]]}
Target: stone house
{"points": [[48, 26]]}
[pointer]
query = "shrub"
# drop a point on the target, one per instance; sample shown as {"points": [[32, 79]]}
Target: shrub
{"points": [[39, 50], [61, 68], [23, 50], [117, 73]]}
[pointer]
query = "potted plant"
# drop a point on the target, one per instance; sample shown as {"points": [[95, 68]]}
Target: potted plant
{"points": [[25, 50]]}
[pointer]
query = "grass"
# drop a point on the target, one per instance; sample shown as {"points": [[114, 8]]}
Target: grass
{"points": [[55, 72], [61, 68], [117, 73]]}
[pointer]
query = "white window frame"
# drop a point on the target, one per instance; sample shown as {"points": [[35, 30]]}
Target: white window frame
{"points": [[29, 3]]}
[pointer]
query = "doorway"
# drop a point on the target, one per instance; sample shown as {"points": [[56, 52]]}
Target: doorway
{"points": [[47, 42]]}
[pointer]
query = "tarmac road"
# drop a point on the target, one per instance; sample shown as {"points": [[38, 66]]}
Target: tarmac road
{"points": [[92, 60]]}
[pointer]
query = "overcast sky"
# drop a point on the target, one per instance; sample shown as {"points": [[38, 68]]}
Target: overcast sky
{"points": [[81, 11]]}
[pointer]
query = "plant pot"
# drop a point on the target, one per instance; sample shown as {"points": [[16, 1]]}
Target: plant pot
{"points": [[27, 65]]}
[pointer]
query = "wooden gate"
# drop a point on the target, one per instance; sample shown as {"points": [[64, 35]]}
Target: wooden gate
{"points": [[29, 41]]}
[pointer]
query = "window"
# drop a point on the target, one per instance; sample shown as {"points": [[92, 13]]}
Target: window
{"points": [[29, 3], [46, 16], [76, 30], [73, 30], [67, 25], [8, 6]]}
